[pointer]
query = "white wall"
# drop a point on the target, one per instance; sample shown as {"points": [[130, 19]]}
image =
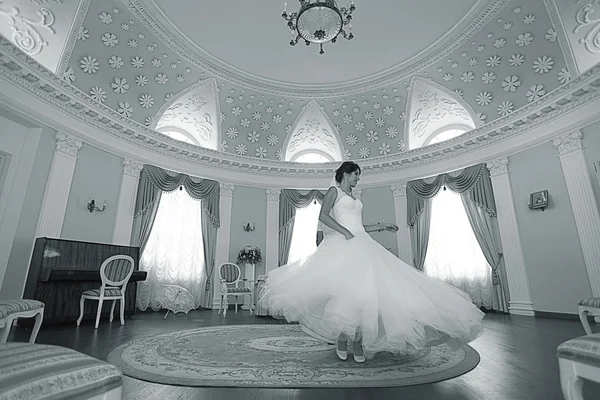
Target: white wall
{"points": [[551, 248], [20, 143]]}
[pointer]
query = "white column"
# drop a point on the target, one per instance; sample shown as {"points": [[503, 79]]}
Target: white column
{"points": [[58, 187], [403, 234], [272, 250], [126, 203], [583, 202], [223, 236], [518, 284]]}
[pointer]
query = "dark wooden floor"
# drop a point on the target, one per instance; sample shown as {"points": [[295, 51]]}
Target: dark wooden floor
{"points": [[518, 360]]}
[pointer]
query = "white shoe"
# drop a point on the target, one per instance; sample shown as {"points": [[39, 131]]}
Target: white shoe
{"points": [[342, 355], [359, 359]]}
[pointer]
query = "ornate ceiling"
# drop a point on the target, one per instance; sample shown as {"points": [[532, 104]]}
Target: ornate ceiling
{"points": [[252, 36], [128, 56]]}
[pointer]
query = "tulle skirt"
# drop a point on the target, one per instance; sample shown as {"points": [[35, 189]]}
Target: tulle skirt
{"points": [[356, 286]]}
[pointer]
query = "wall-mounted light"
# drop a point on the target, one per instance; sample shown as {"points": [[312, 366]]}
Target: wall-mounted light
{"points": [[538, 200], [249, 227], [91, 206]]}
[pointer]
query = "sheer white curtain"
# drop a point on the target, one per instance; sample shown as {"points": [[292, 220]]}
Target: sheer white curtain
{"points": [[453, 254], [174, 253], [305, 232]]}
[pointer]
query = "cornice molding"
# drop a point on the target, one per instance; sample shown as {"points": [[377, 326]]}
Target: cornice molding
{"points": [[151, 16], [24, 75]]}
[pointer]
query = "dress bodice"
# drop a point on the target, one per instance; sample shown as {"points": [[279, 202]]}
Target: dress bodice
{"points": [[347, 212]]}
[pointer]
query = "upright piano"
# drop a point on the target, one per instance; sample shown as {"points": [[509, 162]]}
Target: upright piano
{"points": [[61, 270]]}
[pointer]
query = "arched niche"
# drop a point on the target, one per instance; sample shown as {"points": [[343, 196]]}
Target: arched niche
{"points": [[313, 131], [195, 111], [432, 108]]}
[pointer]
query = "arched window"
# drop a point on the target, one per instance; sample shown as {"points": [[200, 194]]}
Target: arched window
{"points": [[180, 135], [446, 134], [312, 156]]}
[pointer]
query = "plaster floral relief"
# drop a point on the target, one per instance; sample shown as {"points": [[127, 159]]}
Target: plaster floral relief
{"points": [[313, 130], [431, 108], [193, 112], [40, 28], [581, 25], [28, 78], [514, 60]]}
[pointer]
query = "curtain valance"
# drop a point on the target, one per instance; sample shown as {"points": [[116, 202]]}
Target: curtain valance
{"points": [[290, 200], [475, 180], [167, 181]]}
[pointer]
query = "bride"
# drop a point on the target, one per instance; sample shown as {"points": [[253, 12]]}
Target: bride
{"points": [[351, 287]]}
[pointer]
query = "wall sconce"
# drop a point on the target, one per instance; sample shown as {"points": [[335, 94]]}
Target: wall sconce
{"points": [[538, 200], [91, 205], [249, 227]]}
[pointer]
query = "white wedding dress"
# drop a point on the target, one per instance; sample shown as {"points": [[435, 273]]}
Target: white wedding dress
{"points": [[358, 285]]}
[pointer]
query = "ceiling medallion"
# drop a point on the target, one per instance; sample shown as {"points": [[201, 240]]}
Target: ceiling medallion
{"points": [[319, 22]]}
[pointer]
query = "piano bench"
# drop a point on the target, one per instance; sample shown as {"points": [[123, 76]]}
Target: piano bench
{"points": [[44, 372], [10, 310]]}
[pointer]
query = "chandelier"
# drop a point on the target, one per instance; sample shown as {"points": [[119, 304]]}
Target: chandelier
{"points": [[319, 22]]}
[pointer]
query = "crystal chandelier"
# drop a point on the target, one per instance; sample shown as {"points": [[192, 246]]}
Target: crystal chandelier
{"points": [[319, 22]]}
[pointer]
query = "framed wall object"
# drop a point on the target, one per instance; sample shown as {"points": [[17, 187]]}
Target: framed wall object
{"points": [[538, 200]]}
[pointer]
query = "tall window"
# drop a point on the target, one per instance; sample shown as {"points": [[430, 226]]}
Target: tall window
{"points": [[305, 232], [174, 253], [453, 254], [304, 236]]}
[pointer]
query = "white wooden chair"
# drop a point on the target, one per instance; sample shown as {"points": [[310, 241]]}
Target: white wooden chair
{"points": [[578, 361], [43, 372], [229, 275], [115, 272], [587, 307], [10, 310]]}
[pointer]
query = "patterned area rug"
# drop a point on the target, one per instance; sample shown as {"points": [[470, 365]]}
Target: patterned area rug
{"points": [[277, 356]]}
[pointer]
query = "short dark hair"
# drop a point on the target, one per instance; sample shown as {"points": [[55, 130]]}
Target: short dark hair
{"points": [[347, 167]]}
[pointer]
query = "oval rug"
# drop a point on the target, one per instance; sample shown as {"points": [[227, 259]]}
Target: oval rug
{"points": [[277, 356]]}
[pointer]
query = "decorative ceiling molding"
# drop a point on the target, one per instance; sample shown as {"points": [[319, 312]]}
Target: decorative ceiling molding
{"points": [[563, 41], [307, 133], [23, 79], [150, 15], [431, 106], [65, 57], [40, 28], [190, 110]]}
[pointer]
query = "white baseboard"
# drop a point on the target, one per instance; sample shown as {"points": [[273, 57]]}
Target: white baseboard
{"points": [[521, 308]]}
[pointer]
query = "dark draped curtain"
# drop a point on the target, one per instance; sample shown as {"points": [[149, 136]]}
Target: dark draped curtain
{"points": [[153, 182], [289, 201], [475, 187]]}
